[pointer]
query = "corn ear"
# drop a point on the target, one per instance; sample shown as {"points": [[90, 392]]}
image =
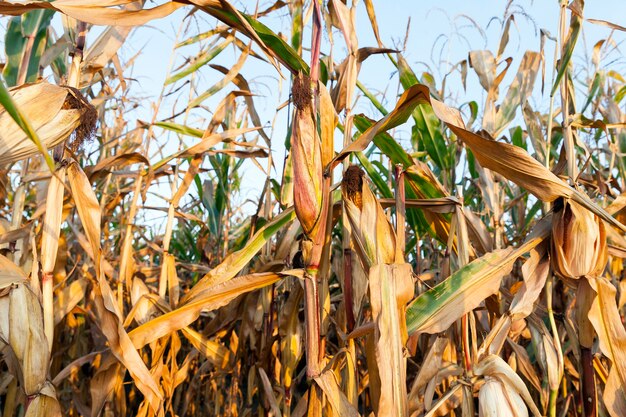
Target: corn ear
{"points": [[372, 232], [54, 112], [22, 327], [579, 245], [496, 399], [307, 159], [495, 367]]}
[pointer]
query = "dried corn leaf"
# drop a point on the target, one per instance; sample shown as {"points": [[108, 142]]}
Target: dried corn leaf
{"points": [[606, 320], [291, 340], [66, 299], [97, 12], [337, 399], [513, 162], [535, 272], [436, 309], [525, 365], [518, 92], [391, 287], [243, 85], [106, 307], [10, 273], [210, 298], [403, 109], [215, 352]]}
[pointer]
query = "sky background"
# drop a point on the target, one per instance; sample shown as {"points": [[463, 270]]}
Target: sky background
{"points": [[440, 34]]}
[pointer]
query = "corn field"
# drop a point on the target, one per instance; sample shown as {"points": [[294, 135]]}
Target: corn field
{"points": [[401, 253]]}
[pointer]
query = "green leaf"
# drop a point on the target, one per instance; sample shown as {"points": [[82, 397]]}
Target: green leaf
{"points": [[271, 41], [35, 24], [436, 309], [200, 61], [568, 50]]}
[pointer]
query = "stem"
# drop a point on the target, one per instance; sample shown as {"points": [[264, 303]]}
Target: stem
{"points": [[312, 319], [23, 70], [19, 198], [466, 342], [588, 392], [568, 138], [47, 289], [347, 288], [552, 402], [557, 345], [400, 214]]}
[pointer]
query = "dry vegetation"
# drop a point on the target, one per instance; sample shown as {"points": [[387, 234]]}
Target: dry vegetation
{"points": [[478, 273]]}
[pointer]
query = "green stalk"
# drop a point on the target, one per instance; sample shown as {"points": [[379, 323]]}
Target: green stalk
{"points": [[557, 345]]}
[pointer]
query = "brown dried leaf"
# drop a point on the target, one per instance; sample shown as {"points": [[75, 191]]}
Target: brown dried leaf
{"points": [[106, 307], [391, 287], [606, 319], [535, 272], [337, 399], [66, 299], [211, 298], [97, 12]]}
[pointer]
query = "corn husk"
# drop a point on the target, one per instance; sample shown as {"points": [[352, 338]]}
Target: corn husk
{"points": [[22, 328], [579, 245], [503, 393], [307, 159], [496, 399], [374, 237], [54, 112]]}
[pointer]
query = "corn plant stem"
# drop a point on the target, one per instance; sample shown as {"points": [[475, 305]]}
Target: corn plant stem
{"points": [[467, 356], [400, 214], [19, 199], [127, 244], [26, 53], [312, 312], [347, 228], [546, 206], [311, 309], [557, 344], [169, 227], [47, 280], [549, 130], [588, 394], [498, 230], [552, 402], [568, 137], [51, 228], [73, 79], [352, 383], [347, 288]]}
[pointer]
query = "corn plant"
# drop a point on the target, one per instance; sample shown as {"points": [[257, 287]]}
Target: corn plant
{"points": [[476, 271]]}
